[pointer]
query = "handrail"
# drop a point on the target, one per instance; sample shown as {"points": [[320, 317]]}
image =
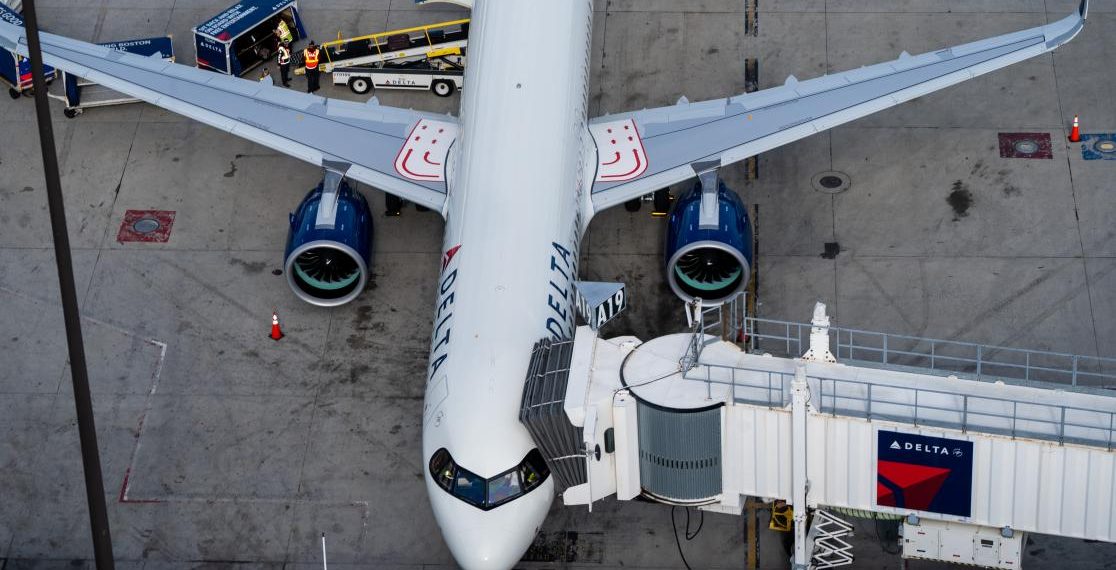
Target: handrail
{"points": [[966, 413], [868, 403], [425, 29], [983, 362], [951, 408]]}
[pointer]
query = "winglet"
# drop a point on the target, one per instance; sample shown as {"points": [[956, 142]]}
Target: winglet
{"points": [[1083, 10]]}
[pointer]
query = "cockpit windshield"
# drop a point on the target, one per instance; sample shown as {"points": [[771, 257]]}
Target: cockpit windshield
{"points": [[490, 493]]}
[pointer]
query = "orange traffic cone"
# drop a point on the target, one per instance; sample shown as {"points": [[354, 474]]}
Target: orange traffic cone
{"points": [[276, 332], [1075, 134]]}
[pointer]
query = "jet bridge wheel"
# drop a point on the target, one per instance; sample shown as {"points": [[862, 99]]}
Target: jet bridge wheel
{"points": [[360, 85], [442, 88]]}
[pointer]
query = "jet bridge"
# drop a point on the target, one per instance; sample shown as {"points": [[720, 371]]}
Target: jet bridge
{"points": [[958, 439]]}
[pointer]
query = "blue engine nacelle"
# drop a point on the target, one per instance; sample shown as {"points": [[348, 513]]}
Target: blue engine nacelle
{"points": [[329, 247], [708, 253]]}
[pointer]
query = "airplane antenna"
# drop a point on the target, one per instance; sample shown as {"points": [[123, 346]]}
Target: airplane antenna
{"points": [[324, 567]]}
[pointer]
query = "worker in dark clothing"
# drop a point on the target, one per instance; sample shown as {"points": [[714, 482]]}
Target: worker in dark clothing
{"points": [[310, 57], [285, 63]]}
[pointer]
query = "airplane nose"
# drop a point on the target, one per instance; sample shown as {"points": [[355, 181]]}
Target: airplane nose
{"points": [[495, 539], [485, 555]]}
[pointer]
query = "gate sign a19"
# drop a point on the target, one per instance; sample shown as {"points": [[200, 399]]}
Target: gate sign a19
{"points": [[924, 473], [600, 302]]}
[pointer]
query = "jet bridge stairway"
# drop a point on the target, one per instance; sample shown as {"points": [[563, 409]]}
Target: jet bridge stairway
{"points": [[395, 47], [993, 441]]}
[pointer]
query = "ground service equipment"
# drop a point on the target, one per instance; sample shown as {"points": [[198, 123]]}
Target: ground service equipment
{"points": [[15, 70], [81, 93], [442, 75], [407, 45], [243, 36]]}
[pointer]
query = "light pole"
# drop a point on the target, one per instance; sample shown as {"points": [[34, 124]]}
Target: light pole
{"points": [[87, 431]]}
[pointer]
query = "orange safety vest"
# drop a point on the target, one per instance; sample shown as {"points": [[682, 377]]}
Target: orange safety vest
{"points": [[311, 58]]}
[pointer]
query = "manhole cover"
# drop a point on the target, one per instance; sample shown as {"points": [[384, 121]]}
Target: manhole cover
{"points": [[830, 182], [152, 226], [145, 225], [1026, 146], [1098, 146]]}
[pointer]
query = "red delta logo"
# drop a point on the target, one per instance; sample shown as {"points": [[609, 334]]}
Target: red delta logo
{"points": [[915, 485], [448, 256]]}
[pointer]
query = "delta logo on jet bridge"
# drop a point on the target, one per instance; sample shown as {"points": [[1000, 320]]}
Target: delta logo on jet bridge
{"points": [[924, 473]]}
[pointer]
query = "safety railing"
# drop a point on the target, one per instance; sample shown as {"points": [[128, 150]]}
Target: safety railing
{"points": [[966, 412], [965, 407], [951, 409], [726, 321], [982, 362]]}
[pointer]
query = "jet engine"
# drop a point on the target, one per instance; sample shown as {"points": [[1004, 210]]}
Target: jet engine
{"points": [[329, 247], [709, 242]]}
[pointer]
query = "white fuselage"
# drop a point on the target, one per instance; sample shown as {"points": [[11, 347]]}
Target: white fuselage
{"points": [[516, 177]]}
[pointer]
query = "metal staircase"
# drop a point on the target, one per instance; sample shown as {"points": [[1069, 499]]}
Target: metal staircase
{"points": [[827, 535], [710, 324]]}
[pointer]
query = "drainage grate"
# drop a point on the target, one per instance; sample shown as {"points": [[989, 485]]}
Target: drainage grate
{"points": [[1025, 145], [831, 182], [150, 226]]}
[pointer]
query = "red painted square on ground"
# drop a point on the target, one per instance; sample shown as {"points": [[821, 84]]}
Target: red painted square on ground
{"points": [[152, 226], [1025, 145]]}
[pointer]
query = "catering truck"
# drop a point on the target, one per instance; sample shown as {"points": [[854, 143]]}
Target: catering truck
{"points": [[244, 35]]}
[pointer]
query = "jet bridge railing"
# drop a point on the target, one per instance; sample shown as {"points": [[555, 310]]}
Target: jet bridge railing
{"points": [[966, 412], [982, 362], [726, 320], [951, 409]]}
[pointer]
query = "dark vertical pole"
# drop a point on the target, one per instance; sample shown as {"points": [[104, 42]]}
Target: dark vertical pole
{"points": [[87, 431]]}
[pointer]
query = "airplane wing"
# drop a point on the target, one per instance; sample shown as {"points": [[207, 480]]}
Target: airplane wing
{"points": [[643, 151], [371, 143]]}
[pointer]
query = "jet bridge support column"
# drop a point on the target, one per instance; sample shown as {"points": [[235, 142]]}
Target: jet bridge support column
{"points": [[800, 395]]}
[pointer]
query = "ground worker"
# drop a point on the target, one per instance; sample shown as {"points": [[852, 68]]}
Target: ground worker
{"points": [[310, 59], [285, 63], [265, 74], [283, 32]]}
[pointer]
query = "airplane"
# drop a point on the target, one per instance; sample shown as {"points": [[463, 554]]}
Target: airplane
{"points": [[518, 176]]}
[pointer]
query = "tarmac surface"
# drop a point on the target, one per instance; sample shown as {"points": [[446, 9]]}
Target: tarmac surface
{"points": [[222, 448]]}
